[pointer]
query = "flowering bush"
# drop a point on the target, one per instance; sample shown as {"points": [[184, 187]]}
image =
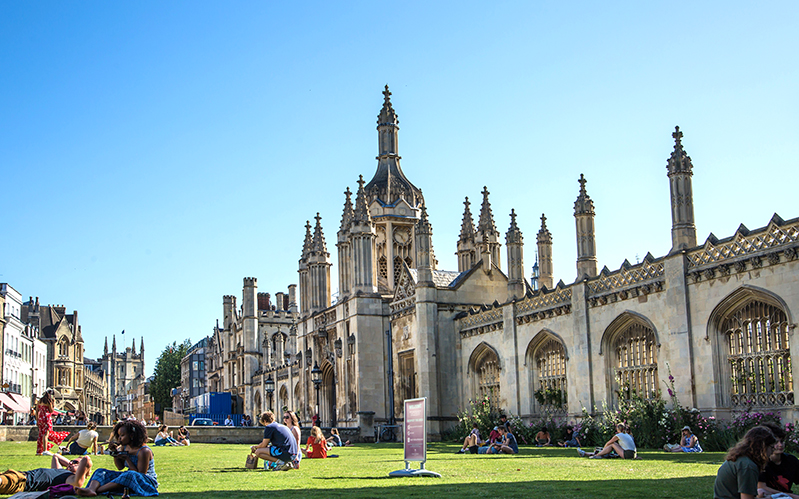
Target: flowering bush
{"points": [[480, 412]]}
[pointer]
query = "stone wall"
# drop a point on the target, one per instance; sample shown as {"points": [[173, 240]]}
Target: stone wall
{"points": [[199, 434]]}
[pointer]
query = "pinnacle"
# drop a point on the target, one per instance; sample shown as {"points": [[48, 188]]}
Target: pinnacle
{"points": [[361, 213], [318, 245], [387, 115], [467, 227], [347, 215], [583, 205], [486, 217], [679, 161]]}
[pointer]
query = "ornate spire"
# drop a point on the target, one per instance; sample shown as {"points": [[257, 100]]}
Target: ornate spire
{"points": [[514, 235], [387, 115], [133, 349], [583, 203], [105, 348], [141, 346], [318, 245], [543, 234], [423, 225], [347, 215], [679, 161], [306, 245], [114, 344], [361, 209], [467, 227], [486, 217]]}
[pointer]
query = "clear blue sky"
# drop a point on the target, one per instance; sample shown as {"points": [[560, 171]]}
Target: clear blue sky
{"points": [[155, 153]]}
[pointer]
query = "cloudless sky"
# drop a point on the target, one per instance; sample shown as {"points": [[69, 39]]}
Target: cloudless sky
{"points": [[152, 154]]}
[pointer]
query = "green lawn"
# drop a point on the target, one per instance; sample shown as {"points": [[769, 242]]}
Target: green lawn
{"points": [[206, 470]]}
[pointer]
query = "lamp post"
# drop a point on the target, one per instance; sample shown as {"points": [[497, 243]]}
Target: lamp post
{"points": [[270, 389], [316, 377]]}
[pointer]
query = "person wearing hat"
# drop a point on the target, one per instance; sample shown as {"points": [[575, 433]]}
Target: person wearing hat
{"points": [[688, 442]]}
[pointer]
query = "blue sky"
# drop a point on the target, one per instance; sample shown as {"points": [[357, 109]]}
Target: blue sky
{"points": [[155, 153]]}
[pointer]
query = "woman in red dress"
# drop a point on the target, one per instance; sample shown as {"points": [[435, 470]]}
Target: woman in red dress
{"points": [[44, 420]]}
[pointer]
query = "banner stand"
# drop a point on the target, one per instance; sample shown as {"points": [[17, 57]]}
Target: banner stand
{"points": [[414, 437]]}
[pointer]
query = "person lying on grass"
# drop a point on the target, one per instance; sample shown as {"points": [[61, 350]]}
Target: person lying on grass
{"points": [[316, 447], [737, 477], [61, 471], [472, 441], [140, 478], [507, 445], [283, 449], [782, 470], [622, 442]]}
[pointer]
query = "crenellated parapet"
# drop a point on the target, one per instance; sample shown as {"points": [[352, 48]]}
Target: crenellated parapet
{"points": [[543, 304], [482, 320], [745, 250]]}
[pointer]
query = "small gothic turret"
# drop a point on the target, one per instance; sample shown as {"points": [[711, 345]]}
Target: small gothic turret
{"points": [[133, 349], [305, 283], [319, 269], [467, 251], [544, 241], [586, 241], [683, 229], [425, 260], [515, 248], [487, 233], [344, 248], [105, 348], [362, 240], [114, 344], [141, 347]]}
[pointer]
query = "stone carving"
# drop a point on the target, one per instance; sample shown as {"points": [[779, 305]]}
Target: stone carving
{"points": [[776, 234]]}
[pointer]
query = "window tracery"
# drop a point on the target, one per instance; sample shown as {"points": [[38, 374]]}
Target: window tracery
{"points": [[635, 365], [550, 383], [758, 356]]}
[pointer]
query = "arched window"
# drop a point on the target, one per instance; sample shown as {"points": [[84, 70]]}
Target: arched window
{"points": [[549, 376], [634, 361], [758, 355], [63, 347], [485, 369]]}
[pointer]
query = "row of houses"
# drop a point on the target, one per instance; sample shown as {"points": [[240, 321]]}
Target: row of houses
{"points": [[43, 348]]}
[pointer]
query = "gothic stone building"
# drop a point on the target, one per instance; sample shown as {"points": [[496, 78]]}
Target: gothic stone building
{"points": [[123, 367], [720, 315]]}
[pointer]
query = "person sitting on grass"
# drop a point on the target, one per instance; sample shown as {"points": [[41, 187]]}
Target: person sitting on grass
{"points": [[291, 420], [622, 443], [782, 470], [688, 442], [334, 440], [164, 437], [84, 441], [316, 447], [133, 453], [283, 449], [507, 445], [472, 441], [737, 478], [542, 438], [183, 436], [61, 471], [572, 438]]}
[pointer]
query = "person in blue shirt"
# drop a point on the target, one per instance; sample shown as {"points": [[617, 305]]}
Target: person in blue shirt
{"points": [[507, 445], [278, 446]]}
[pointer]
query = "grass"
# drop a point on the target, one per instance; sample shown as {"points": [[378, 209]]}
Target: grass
{"points": [[208, 470]]}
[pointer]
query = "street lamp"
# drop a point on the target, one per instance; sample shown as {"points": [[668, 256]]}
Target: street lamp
{"points": [[316, 377], [270, 388]]}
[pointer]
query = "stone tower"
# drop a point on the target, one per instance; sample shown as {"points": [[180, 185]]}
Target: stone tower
{"points": [[586, 240], [544, 241], [515, 248], [467, 250], [319, 269], [362, 244], [487, 233], [344, 248], [683, 229], [394, 203]]}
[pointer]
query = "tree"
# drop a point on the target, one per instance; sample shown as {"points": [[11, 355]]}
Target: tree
{"points": [[167, 373]]}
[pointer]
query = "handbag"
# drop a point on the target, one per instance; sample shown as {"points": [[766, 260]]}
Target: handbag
{"points": [[61, 490], [252, 462]]}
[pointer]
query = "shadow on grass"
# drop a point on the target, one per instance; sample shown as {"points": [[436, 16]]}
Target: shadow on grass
{"points": [[672, 488]]}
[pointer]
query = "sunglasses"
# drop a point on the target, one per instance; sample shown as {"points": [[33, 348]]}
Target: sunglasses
{"points": [[286, 417]]}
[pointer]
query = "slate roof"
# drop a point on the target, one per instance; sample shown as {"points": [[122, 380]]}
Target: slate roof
{"points": [[441, 278]]}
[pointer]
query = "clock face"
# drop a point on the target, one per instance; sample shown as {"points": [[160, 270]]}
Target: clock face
{"points": [[402, 235]]}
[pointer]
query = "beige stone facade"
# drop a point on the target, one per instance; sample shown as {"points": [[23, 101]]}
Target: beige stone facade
{"points": [[720, 315]]}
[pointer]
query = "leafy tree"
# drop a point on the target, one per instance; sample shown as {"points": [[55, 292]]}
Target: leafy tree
{"points": [[167, 373]]}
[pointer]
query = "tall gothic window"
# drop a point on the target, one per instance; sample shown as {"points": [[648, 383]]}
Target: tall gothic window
{"points": [[486, 374], [550, 377], [635, 362], [759, 356]]}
